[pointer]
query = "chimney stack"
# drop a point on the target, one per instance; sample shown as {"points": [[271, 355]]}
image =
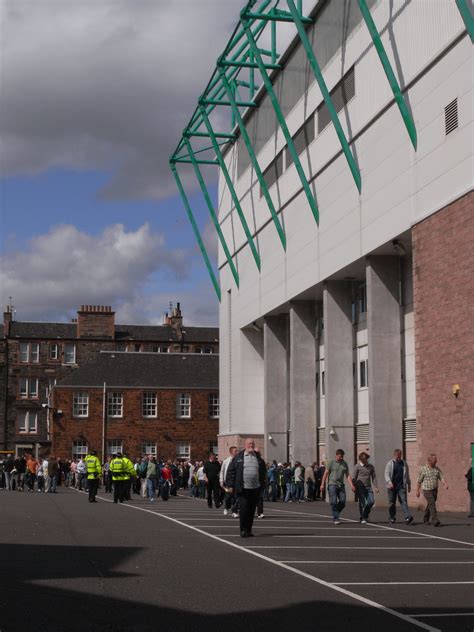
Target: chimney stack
{"points": [[174, 318], [7, 319], [96, 321]]}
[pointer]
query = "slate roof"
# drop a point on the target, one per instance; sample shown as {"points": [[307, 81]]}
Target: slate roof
{"points": [[165, 333], [147, 370], [158, 333], [42, 330]]}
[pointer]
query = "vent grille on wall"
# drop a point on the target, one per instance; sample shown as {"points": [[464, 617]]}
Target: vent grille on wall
{"points": [[362, 433], [321, 436], [409, 429], [451, 116]]}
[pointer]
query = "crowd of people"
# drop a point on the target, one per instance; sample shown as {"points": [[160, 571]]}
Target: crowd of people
{"points": [[241, 483]]}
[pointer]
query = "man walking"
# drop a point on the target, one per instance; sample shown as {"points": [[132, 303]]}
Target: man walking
{"points": [[334, 474], [246, 476], [211, 472], [470, 488], [94, 471], [397, 478], [428, 480], [363, 476], [229, 498]]}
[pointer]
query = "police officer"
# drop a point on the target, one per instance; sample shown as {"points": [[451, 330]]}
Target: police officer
{"points": [[120, 475], [94, 471]]}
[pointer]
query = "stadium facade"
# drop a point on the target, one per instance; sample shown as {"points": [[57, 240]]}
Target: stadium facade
{"points": [[355, 329]]}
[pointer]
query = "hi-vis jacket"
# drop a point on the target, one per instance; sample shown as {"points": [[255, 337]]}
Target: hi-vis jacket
{"points": [[94, 469]]}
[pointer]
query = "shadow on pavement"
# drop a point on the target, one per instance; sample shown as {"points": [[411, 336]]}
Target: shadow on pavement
{"points": [[26, 603]]}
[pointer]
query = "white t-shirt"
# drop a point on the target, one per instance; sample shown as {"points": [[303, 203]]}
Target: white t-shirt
{"points": [[201, 475]]}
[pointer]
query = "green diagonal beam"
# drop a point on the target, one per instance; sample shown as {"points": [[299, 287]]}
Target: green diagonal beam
{"points": [[253, 157], [197, 234], [212, 212], [326, 95], [392, 80], [230, 185], [281, 119], [466, 15]]}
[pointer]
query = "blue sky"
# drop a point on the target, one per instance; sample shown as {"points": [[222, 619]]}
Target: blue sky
{"points": [[94, 97]]}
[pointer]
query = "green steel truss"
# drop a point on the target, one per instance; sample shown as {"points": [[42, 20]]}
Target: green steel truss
{"points": [[232, 89]]}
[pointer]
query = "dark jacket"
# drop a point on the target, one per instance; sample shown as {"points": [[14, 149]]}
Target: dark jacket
{"points": [[235, 472]]}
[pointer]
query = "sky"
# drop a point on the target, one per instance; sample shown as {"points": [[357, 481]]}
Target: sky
{"points": [[94, 95]]}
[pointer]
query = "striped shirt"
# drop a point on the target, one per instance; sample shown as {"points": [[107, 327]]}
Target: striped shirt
{"points": [[251, 474]]}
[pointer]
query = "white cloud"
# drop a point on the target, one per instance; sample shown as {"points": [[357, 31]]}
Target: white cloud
{"points": [[65, 268], [105, 85]]}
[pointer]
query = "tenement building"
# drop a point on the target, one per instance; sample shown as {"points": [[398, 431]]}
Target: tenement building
{"points": [[35, 356], [346, 264], [139, 403]]}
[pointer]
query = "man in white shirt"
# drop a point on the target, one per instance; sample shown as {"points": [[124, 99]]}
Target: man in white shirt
{"points": [[81, 471], [229, 498]]}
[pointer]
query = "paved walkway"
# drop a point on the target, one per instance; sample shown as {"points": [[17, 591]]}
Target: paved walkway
{"points": [[179, 566]]}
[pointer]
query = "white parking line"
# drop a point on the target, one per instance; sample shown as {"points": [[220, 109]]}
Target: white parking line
{"points": [[279, 527], [365, 562], [359, 537], [322, 582], [366, 548], [400, 584], [380, 526]]}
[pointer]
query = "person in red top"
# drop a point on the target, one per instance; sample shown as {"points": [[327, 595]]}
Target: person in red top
{"points": [[166, 480], [31, 466]]}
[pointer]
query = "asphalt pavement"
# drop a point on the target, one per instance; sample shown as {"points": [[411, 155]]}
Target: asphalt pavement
{"points": [[68, 565]]}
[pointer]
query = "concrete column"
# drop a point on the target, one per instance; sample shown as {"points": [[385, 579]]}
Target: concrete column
{"points": [[338, 361], [303, 381], [385, 370], [275, 354]]}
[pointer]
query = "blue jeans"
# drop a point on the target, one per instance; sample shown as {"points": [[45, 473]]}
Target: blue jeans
{"points": [[150, 488], [290, 491], [337, 499], [401, 494], [299, 490], [366, 501]]}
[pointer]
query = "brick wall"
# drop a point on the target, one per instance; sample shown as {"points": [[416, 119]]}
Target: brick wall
{"points": [[443, 255], [133, 429]]}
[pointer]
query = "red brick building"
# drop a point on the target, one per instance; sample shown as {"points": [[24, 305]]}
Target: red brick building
{"points": [[443, 284], [138, 403], [34, 356]]}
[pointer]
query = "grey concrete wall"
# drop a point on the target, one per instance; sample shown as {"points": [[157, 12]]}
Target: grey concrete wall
{"points": [[276, 385], [303, 381], [338, 361], [385, 369]]}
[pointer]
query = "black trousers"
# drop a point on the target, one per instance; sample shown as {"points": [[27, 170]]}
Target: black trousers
{"points": [[93, 487], [213, 490], [248, 500], [120, 488]]}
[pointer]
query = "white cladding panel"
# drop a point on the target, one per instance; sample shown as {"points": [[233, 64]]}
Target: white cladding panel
{"points": [[400, 186]]}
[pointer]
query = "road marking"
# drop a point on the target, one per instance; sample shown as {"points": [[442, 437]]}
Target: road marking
{"points": [[400, 584], [261, 526], [366, 548], [322, 582], [379, 526], [358, 537], [446, 614], [364, 562]]}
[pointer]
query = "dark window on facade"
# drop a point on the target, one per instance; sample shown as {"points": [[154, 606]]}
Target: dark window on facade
{"points": [[341, 94], [273, 171], [302, 139]]}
